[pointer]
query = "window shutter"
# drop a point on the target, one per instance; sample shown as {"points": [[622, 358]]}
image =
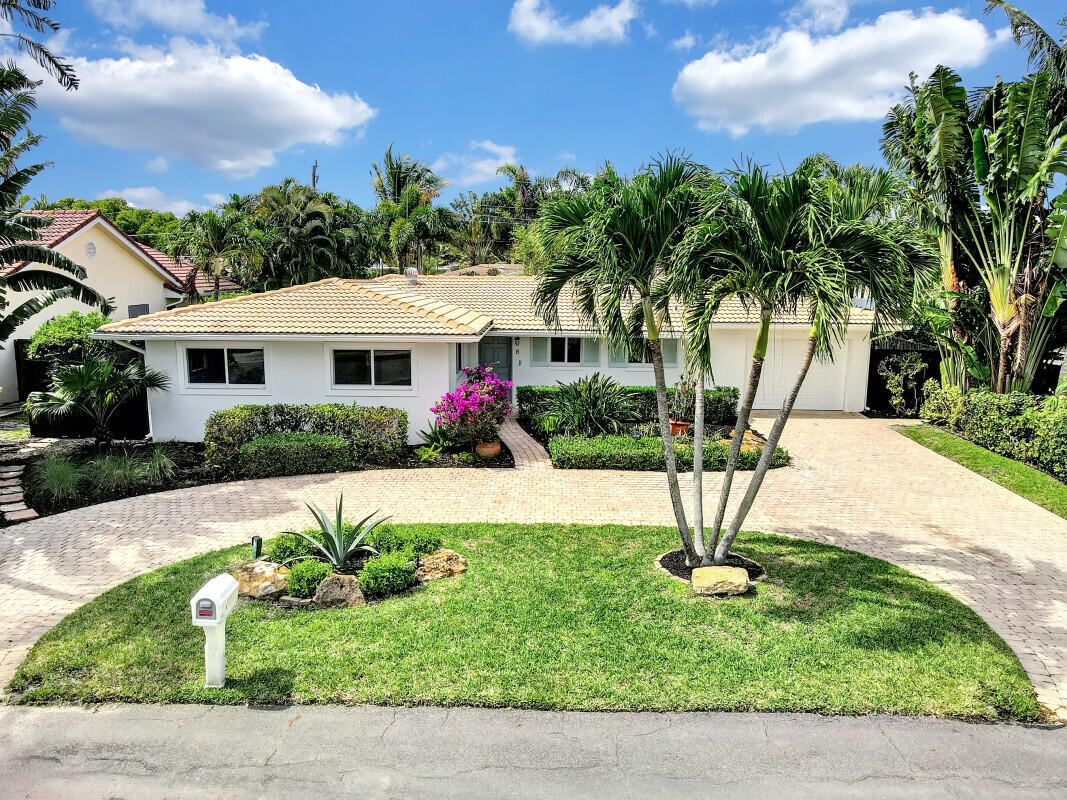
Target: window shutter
{"points": [[670, 352], [538, 351], [618, 357], [590, 352]]}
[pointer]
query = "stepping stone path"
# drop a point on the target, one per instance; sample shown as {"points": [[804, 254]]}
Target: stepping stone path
{"points": [[14, 453]]}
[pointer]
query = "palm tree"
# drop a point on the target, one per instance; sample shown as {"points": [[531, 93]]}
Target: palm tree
{"points": [[216, 242], [1042, 49], [807, 241], [394, 175], [28, 13], [298, 234], [94, 390], [18, 230], [611, 250]]}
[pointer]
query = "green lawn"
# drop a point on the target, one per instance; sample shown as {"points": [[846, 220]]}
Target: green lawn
{"points": [[1033, 484], [558, 617]]}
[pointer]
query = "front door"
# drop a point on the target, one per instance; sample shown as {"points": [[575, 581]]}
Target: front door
{"points": [[496, 351]]}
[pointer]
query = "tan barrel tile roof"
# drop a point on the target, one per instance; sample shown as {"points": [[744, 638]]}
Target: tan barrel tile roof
{"points": [[434, 306], [331, 307]]}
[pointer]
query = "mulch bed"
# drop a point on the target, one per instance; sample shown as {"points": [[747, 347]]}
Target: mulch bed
{"points": [[449, 460], [674, 563]]}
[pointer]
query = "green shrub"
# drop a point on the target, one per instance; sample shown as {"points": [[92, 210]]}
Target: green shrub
{"points": [[288, 548], [68, 335], [305, 578], [942, 406], [720, 402], [390, 539], [159, 467], [375, 435], [293, 454], [115, 473], [56, 478], [645, 454], [999, 422], [388, 573], [588, 406]]}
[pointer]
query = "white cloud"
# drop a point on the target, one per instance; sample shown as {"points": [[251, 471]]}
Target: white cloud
{"points": [[567, 155], [174, 16], [215, 198], [819, 15], [478, 166], [538, 22], [225, 112], [797, 79], [154, 198], [686, 42], [157, 164], [694, 3]]}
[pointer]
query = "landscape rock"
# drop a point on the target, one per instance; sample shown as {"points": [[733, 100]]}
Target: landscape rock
{"points": [[750, 441], [288, 601], [440, 564], [261, 580], [720, 580], [339, 591]]}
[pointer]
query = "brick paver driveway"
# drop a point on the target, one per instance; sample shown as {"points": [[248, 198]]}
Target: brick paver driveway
{"points": [[855, 482]]}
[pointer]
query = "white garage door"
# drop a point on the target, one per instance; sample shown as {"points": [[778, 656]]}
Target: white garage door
{"points": [[823, 389]]}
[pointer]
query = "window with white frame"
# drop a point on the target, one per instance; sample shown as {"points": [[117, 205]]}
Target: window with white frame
{"points": [[228, 366], [372, 367], [565, 350]]}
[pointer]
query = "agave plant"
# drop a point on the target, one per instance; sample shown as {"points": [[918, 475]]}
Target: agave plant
{"points": [[339, 542]]}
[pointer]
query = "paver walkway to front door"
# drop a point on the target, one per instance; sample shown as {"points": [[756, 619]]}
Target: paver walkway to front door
{"points": [[854, 482]]}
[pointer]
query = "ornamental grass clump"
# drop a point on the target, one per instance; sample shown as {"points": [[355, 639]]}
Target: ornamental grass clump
{"points": [[474, 412]]}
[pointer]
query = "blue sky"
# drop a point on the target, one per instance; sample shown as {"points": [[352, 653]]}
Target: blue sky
{"points": [[185, 101]]}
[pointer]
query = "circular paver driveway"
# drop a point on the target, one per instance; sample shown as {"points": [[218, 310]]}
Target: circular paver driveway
{"points": [[854, 482]]}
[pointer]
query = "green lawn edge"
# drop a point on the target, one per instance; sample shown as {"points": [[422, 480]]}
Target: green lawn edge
{"points": [[557, 617], [1022, 479]]}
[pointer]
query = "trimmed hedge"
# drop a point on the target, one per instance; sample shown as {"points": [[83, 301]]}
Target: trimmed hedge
{"points": [[720, 402], [1014, 425], [305, 577], [645, 454], [278, 454], [375, 435], [388, 573]]}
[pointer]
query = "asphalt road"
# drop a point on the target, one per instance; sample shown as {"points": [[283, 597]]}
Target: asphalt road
{"points": [[367, 752]]}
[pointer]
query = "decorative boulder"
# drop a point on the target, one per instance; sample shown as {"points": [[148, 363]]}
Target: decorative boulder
{"points": [[440, 564], [339, 591], [261, 580], [720, 580], [750, 441]]}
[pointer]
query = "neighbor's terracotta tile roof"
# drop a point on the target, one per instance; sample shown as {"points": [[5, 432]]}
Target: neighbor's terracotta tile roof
{"points": [[65, 223], [331, 307], [180, 269]]}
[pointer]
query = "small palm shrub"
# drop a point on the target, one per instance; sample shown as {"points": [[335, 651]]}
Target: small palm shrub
{"points": [[305, 577], [589, 406], [435, 435], [339, 543], [388, 573], [56, 478]]}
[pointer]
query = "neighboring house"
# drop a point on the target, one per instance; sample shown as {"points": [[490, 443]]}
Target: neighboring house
{"points": [[182, 269], [396, 343], [116, 267]]}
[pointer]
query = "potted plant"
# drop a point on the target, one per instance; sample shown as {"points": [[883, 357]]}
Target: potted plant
{"points": [[680, 406], [474, 412]]}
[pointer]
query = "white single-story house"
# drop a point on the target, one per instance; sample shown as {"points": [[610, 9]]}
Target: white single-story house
{"points": [[401, 342], [136, 278]]}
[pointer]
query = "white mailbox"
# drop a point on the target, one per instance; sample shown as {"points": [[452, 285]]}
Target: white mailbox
{"points": [[210, 607]]}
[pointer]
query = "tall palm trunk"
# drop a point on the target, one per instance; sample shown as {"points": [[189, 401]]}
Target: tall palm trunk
{"points": [[1004, 362], [698, 469], [744, 413], [217, 281], [723, 548], [655, 346]]}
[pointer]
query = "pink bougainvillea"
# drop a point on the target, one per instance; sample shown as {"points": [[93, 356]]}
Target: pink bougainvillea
{"points": [[476, 409]]}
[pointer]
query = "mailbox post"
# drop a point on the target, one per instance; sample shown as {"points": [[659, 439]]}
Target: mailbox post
{"points": [[210, 606]]}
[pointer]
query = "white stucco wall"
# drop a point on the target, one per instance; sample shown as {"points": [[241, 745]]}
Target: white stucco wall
{"points": [[527, 373], [115, 272], [296, 372]]}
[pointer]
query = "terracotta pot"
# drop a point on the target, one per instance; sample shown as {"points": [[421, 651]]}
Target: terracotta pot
{"points": [[487, 451], [678, 426]]}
